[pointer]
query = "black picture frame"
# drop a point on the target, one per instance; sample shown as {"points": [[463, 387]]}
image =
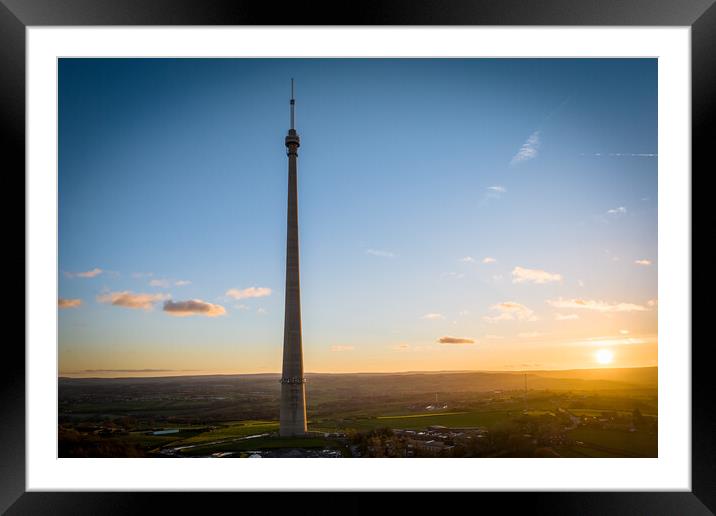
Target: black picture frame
{"points": [[16, 15]]}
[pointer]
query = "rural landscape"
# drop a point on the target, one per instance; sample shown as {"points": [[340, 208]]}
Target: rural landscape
{"points": [[605, 412], [477, 274]]}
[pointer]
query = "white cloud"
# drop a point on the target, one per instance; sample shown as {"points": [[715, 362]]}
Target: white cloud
{"points": [[68, 303], [129, 299], [494, 192], [510, 311], [522, 275], [467, 259], [528, 150], [86, 274], [497, 189], [643, 262], [621, 210], [433, 317], [181, 283], [598, 306], [193, 307], [248, 292], [261, 311], [488, 259], [455, 340], [378, 252]]}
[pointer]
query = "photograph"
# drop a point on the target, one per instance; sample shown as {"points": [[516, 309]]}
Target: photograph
{"points": [[357, 257]]}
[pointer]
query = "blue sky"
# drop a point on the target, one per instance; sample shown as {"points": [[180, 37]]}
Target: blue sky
{"points": [[172, 183]]}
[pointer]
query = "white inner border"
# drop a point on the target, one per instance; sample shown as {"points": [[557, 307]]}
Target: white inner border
{"points": [[671, 471]]}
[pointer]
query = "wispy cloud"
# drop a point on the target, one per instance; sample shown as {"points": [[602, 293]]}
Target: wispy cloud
{"points": [[166, 283], [488, 259], [193, 307], [602, 341], [510, 311], [528, 150], [378, 252], [129, 371], [621, 210], [621, 154], [139, 275], [129, 299], [597, 306], [467, 259], [248, 292], [339, 349], [522, 275], [86, 274], [643, 262], [68, 303], [433, 316], [455, 340], [494, 192], [261, 311]]}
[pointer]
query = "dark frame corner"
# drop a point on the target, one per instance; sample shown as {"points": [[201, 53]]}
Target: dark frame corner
{"points": [[16, 15]]}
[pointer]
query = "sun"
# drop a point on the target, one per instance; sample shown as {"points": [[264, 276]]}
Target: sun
{"points": [[604, 356]]}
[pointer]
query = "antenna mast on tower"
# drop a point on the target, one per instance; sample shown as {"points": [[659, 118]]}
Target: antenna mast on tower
{"points": [[293, 106]]}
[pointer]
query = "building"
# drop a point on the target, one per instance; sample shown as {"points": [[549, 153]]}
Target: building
{"points": [[293, 389]]}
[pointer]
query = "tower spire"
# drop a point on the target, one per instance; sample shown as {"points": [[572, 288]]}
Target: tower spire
{"points": [[293, 107]]}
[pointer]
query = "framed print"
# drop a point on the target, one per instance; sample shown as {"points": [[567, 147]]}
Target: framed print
{"points": [[493, 288]]}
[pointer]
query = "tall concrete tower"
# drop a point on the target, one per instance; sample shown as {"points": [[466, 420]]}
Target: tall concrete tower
{"points": [[293, 389]]}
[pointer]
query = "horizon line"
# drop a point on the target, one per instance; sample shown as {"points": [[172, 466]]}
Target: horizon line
{"points": [[64, 375]]}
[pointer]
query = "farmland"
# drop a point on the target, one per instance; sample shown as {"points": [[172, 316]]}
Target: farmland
{"points": [[473, 414]]}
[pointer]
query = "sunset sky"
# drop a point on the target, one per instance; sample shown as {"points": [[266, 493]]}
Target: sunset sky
{"points": [[486, 214]]}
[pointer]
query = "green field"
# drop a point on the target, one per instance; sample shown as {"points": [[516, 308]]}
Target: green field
{"points": [[420, 421], [260, 443], [540, 413], [599, 412], [233, 430], [616, 442], [421, 415]]}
